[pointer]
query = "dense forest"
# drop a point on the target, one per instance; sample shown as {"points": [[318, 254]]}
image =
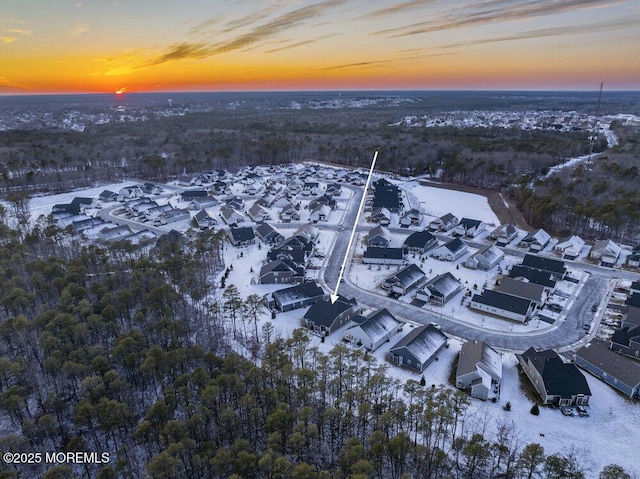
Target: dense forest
{"points": [[140, 353]]}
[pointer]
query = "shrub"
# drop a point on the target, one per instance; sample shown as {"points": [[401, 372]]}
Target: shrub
{"points": [[507, 406], [535, 410]]}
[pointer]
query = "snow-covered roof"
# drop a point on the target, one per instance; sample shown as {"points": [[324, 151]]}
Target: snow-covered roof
{"points": [[443, 284], [378, 325], [407, 276], [423, 342], [474, 352]]}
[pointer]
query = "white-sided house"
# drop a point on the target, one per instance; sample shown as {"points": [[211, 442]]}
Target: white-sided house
{"points": [[204, 220], [503, 305], [258, 214], [320, 213], [128, 192], [381, 215], [536, 293], [444, 223], [536, 241], [231, 216], [404, 280], [450, 251], [570, 248], [606, 251], [485, 259], [504, 234], [173, 216], [440, 290], [413, 217], [469, 227], [479, 370], [374, 331]]}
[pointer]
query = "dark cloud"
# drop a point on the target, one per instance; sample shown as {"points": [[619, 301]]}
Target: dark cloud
{"points": [[277, 25], [259, 33], [183, 51], [495, 11], [397, 8], [555, 31]]}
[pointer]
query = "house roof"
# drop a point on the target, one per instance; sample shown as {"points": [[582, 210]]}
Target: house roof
{"points": [[521, 289], [633, 316], [508, 231], [503, 301], [108, 194], [620, 367], [380, 231], [469, 223], [544, 264], [324, 312], [294, 254], [533, 275], [268, 232], [115, 232], [407, 276], [560, 378], [257, 210], [474, 352], [443, 284], [242, 234], [540, 236], [380, 211], [419, 239], [194, 194], [422, 342], [378, 324], [383, 253], [283, 266], [448, 218], [606, 247], [455, 245], [625, 335], [202, 215], [298, 292], [489, 254]]}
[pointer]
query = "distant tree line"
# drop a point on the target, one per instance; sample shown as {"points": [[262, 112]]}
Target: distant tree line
{"points": [[138, 353]]}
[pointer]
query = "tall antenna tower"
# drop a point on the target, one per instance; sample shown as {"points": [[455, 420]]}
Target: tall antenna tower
{"points": [[593, 136]]}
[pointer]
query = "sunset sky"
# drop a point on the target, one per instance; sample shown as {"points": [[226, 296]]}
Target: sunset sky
{"points": [[103, 46]]}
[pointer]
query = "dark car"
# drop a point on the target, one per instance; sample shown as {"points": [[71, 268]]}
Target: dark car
{"points": [[594, 308]]}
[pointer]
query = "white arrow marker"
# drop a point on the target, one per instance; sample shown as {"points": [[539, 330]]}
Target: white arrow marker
{"points": [[334, 296]]}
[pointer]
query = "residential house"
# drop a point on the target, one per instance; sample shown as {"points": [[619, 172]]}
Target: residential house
{"points": [[633, 300], [308, 231], [419, 348], [606, 251], [503, 305], [154, 213], [381, 216], [420, 242], [375, 255], [151, 188], [404, 280], [557, 382], [626, 340], [296, 297], [387, 195], [570, 248], [87, 223], [413, 217], [204, 220], [128, 192], [324, 200], [554, 267], [440, 289], [635, 287], [242, 236], [479, 370], [450, 251], [234, 202], [536, 240], [140, 237], [281, 271], [334, 189], [289, 213], [379, 236], [258, 214], [485, 259], [504, 234], [310, 188], [469, 227], [188, 195], [268, 234], [633, 259], [374, 330], [108, 196], [536, 293], [618, 371], [115, 233], [320, 213], [325, 316], [173, 216], [77, 206], [534, 276], [230, 216], [444, 223], [202, 203]]}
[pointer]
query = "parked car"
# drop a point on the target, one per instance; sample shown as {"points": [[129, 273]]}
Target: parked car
{"points": [[594, 308], [582, 411], [556, 308], [567, 411]]}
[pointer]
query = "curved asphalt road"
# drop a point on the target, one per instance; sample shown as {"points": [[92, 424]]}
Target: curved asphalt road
{"points": [[564, 334]]}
